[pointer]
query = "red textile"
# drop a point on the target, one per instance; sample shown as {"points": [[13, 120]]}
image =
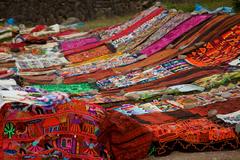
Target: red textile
{"points": [[119, 35]]}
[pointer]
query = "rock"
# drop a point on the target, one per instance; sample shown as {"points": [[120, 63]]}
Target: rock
{"points": [[212, 113], [48, 12], [167, 97], [237, 128], [158, 4]]}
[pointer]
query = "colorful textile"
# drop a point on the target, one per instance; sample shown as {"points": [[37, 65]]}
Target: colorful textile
{"points": [[119, 35], [143, 76], [145, 26], [40, 62], [111, 61], [70, 131], [173, 22], [32, 96], [89, 54], [115, 30], [186, 76], [124, 63], [218, 51], [175, 33], [195, 35], [205, 98], [145, 108], [192, 135], [235, 62], [232, 118], [76, 43], [71, 88], [163, 76], [183, 130], [141, 37], [218, 79], [148, 61]]}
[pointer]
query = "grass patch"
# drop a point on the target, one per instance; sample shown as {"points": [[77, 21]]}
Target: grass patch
{"points": [[188, 5], [105, 21], [185, 5]]}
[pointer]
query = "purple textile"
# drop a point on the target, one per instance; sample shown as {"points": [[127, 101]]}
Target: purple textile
{"points": [[174, 34], [76, 43]]}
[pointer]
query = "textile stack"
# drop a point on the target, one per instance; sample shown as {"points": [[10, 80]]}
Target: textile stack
{"points": [[163, 81]]}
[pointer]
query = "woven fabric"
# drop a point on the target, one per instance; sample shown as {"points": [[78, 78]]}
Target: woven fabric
{"points": [[164, 29], [218, 51], [183, 130], [76, 43], [70, 131], [119, 35], [175, 33], [71, 88], [144, 76], [133, 35], [89, 54]]}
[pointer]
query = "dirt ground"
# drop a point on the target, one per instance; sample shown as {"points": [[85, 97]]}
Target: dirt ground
{"points": [[223, 155]]}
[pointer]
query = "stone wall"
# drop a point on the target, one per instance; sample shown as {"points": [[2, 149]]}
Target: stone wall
{"points": [[56, 11]]}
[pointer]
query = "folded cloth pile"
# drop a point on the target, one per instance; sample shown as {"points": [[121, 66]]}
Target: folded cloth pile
{"points": [[168, 80]]}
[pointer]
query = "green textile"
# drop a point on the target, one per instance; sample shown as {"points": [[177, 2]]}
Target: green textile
{"points": [[68, 88], [219, 79]]}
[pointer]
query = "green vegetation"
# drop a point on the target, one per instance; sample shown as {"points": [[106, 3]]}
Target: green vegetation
{"points": [[188, 5], [105, 21], [185, 5]]}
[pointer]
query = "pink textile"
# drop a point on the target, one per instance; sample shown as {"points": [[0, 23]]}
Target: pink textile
{"points": [[76, 43], [174, 34]]}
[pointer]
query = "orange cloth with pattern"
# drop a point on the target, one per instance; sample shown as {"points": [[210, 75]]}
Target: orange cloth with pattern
{"points": [[89, 54], [220, 50]]}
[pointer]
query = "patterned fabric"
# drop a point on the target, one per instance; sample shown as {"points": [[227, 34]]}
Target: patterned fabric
{"points": [[192, 135], [70, 131], [232, 118], [205, 98], [145, 108], [118, 35], [164, 78], [204, 29], [76, 43], [144, 36], [235, 62], [173, 22], [111, 61], [123, 62], [5, 73], [145, 26], [218, 79], [99, 98], [220, 50], [144, 76], [187, 130], [192, 131], [32, 96], [89, 54], [174, 34], [112, 31], [184, 130], [71, 88], [37, 62], [172, 90]]}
